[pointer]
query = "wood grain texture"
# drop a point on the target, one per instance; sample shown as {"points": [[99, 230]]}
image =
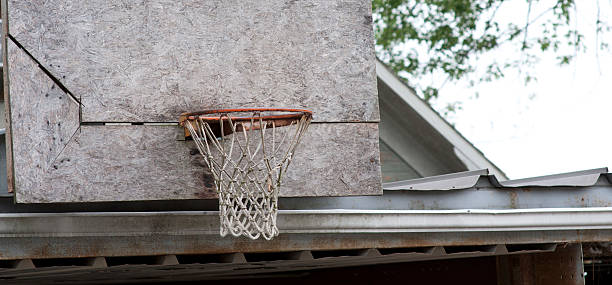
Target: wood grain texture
{"points": [[120, 163], [140, 61], [336, 160], [43, 119], [135, 162]]}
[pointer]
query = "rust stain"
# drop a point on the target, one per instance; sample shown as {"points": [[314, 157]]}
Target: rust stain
{"points": [[417, 205], [42, 251], [513, 200], [143, 246], [581, 200]]}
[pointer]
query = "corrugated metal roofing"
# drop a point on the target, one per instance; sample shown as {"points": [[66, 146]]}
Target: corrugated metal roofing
{"points": [[469, 179], [578, 178], [461, 209], [477, 190], [460, 180]]}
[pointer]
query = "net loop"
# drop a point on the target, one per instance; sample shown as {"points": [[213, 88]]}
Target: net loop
{"points": [[247, 156]]}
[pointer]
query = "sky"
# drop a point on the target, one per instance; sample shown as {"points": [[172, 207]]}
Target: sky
{"points": [[560, 123]]}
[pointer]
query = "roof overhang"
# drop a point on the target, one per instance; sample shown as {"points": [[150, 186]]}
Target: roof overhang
{"points": [[428, 122], [470, 208], [58, 235], [359, 235], [477, 190]]}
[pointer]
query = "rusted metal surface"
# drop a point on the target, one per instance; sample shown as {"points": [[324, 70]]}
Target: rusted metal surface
{"points": [[133, 234], [217, 118], [305, 222], [47, 235], [297, 113]]}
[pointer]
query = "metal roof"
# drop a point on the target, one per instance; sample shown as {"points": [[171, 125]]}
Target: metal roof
{"points": [[122, 246], [578, 178], [468, 179], [467, 210], [477, 190], [460, 180]]}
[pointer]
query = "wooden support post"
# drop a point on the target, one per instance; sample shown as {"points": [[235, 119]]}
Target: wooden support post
{"points": [[370, 252], [23, 264], [437, 251], [562, 267], [166, 260], [97, 262]]}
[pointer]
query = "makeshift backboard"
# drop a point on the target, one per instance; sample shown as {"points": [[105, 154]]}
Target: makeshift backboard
{"points": [[94, 91]]}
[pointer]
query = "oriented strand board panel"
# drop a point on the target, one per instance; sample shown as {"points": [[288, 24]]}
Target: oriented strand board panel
{"points": [[43, 119], [148, 61], [73, 67], [134, 162]]}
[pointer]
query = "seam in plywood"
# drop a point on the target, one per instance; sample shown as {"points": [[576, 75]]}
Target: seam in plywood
{"points": [[46, 71], [129, 124]]}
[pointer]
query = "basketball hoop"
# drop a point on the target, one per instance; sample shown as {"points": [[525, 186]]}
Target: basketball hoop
{"points": [[248, 153]]}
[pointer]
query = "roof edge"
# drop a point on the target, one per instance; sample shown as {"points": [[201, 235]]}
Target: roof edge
{"points": [[431, 116]]}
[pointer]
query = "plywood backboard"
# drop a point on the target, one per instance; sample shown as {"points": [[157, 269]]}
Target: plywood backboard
{"points": [[76, 68]]}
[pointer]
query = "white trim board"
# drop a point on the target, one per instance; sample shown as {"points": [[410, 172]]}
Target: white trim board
{"points": [[466, 151]]}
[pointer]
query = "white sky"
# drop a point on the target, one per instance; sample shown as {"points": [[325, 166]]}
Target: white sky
{"points": [[560, 123]]}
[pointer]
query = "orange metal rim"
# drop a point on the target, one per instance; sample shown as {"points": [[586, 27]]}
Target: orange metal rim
{"points": [[296, 114]]}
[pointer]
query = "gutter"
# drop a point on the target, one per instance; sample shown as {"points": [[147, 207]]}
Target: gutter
{"points": [[108, 234], [205, 223]]}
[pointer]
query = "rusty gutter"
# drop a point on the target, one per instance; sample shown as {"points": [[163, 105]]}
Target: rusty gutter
{"points": [[68, 235], [305, 222]]}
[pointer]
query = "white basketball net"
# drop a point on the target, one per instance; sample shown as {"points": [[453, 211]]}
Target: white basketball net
{"points": [[247, 166]]}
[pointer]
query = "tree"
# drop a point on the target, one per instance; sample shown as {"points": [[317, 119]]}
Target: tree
{"points": [[420, 38]]}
